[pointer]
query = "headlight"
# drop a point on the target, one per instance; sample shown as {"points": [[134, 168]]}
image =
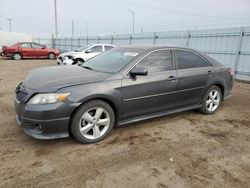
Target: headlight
{"points": [[48, 98]]}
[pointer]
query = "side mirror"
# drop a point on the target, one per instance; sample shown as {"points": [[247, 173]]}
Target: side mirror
{"points": [[88, 51], [44, 46], [139, 71]]}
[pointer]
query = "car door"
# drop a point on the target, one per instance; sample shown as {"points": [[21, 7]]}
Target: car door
{"points": [[154, 92], [26, 49], [193, 75], [38, 50], [93, 51]]}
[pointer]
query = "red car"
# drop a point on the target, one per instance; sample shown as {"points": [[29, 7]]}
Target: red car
{"points": [[29, 50]]}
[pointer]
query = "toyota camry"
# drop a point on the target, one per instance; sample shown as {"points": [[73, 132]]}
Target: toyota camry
{"points": [[121, 86]]}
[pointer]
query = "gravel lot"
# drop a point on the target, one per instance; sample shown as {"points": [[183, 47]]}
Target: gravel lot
{"points": [[182, 150]]}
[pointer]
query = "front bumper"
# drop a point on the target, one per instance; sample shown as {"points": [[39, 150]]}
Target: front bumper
{"points": [[59, 60], [48, 121], [64, 61]]}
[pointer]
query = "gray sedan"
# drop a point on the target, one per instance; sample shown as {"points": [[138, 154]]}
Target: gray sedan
{"points": [[121, 86]]}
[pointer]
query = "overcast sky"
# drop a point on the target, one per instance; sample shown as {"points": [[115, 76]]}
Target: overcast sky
{"points": [[112, 16]]}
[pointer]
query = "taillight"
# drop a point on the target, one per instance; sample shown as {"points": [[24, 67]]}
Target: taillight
{"points": [[231, 72]]}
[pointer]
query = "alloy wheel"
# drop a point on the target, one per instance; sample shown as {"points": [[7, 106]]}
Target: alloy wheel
{"points": [[17, 56], [51, 56], [213, 100], [94, 123]]}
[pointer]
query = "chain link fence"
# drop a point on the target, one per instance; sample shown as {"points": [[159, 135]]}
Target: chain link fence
{"points": [[230, 46]]}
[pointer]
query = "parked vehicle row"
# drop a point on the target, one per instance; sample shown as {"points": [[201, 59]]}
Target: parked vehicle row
{"points": [[22, 50], [117, 87], [82, 54]]}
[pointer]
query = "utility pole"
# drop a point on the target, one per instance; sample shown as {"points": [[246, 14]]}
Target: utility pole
{"points": [[141, 29], [56, 33], [133, 15], [73, 28], [9, 20], [86, 26]]}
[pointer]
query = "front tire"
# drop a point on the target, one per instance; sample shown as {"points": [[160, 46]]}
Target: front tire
{"points": [[51, 56], [211, 100], [17, 56], [92, 122], [78, 61]]}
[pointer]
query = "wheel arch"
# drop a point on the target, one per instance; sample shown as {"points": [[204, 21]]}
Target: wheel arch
{"points": [[102, 98], [222, 89], [221, 86], [50, 52], [77, 59]]}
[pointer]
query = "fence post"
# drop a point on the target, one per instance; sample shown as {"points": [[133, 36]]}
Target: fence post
{"points": [[112, 39], [71, 43], [188, 39], [238, 51], [52, 41], [130, 39], [65, 44], [87, 40], [154, 38], [79, 42], [98, 39]]}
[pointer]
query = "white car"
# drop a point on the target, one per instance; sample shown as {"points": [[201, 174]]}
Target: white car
{"points": [[82, 54]]}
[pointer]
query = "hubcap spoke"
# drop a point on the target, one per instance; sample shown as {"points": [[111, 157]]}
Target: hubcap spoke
{"points": [[87, 117], [215, 94], [210, 107], [96, 132], [209, 101], [104, 122], [98, 113], [216, 101], [86, 128]]}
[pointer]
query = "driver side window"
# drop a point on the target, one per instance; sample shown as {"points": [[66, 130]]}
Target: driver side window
{"points": [[25, 45], [95, 49], [157, 61]]}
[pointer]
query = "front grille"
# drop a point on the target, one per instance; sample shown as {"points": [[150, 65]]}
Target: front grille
{"points": [[20, 96]]}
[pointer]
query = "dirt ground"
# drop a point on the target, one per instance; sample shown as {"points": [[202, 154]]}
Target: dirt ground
{"points": [[182, 150]]}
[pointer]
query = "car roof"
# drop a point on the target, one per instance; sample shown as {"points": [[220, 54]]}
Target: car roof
{"points": [[155, 47], [102, 44], [149, 48]]}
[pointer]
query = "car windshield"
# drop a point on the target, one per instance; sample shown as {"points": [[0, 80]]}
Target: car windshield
{"points": [[111, 61], [81, 48]]}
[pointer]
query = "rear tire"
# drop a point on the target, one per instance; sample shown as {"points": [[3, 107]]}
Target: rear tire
{"points": [[51, 56], [211, 100], [92, 122], [78, 61], [16, 56]]}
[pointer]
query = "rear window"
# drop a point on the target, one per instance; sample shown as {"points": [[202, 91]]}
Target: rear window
{"points": [[187, 60], [108, 48]]}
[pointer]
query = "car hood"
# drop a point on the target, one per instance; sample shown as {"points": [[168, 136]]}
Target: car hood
{"points": [[52, 49], [50, 79], [68, 53]]}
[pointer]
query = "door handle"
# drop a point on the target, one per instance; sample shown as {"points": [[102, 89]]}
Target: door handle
{"points": [[209, 73], [171, 78]]}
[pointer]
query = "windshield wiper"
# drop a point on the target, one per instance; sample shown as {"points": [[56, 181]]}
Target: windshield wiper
{"points": [[86, 67]]}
